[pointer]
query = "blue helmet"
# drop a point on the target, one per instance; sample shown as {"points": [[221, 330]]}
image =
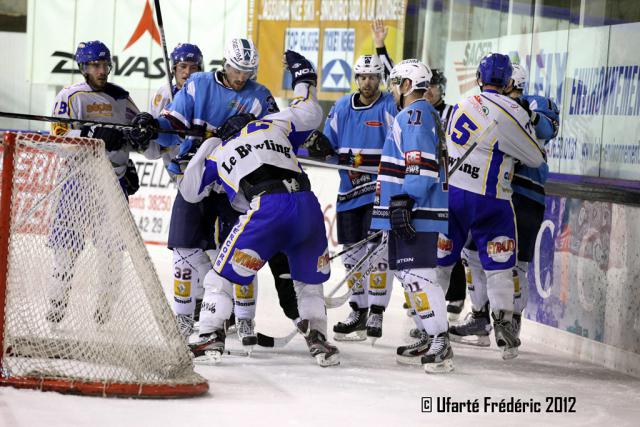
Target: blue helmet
{"points": [[186, 52], [495, 69], [92, 51]]}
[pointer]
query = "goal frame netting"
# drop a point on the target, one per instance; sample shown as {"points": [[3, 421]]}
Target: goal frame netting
{"points": [[184, 383]]}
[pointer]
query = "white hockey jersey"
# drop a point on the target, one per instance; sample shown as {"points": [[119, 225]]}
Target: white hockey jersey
{"points": [[112, 105], [488, 170], [267, 141]]}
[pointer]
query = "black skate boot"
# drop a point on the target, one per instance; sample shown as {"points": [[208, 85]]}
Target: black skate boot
{"points": [[325, 353], [209, 347], [516, 322], [374, 322], [412, 354], [230, 323], [474, 330], [354, 328], [454, 308], [439, 357], [505, 337], [416, 333]]}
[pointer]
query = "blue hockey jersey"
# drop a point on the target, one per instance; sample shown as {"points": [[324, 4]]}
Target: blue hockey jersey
{"points": [[205, 101], [357, 134], [529, 182], [409, 165]]}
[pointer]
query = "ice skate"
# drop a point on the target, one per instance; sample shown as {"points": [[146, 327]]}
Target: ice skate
{"points": [[516, 323], [185, 325], [209, 347], [374, 323], [474, 331], [505, 336], [245, 329], [439, 357], [415, 332], [454, 308], [354, 328], [57, 310], [326, 354], [412, 354], [230, 324]]}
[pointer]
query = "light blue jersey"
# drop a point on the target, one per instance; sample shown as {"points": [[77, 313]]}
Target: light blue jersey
{"points": [[357, 133], [206, 102], [529, 182], [409, 165]]}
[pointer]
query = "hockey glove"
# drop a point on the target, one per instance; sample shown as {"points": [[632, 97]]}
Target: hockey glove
{"points": [[145, 128], [400, 217], [113, 138], [131, 180], [233, 125], [318, 145], [301, 69]]}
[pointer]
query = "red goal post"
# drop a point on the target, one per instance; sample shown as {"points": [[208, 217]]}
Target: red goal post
{"points": [[81, 307]]}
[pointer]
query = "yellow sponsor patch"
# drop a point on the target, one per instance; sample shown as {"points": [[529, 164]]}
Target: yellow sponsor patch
{"points": [[355, 277], [516, 284], [244, 291], [378, 280], [407, 299], [182, 288], [421, 301]]}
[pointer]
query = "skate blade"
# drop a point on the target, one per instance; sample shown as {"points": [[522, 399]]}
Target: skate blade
{"points": [[373, 340], [210, 357], [324, 361], [474, 340], [509, 353], [409, 360], [353, 336], [439, 368]]}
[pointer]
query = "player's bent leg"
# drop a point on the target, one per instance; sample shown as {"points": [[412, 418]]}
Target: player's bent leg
{"points": [[279, 266], [500, 290], [354, 328], [457, 291], [59, 290], [244, 297], [428, 300], [314, 323], [190, 265], [216, 308], [520, 295]]}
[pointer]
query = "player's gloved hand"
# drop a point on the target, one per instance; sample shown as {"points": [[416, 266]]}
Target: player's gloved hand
{"points": [[131, 180], [145, 128], [400, 216], [113, 138], [233, 125], [301, 69], [525, 104], [188, 149], [318, 145]]}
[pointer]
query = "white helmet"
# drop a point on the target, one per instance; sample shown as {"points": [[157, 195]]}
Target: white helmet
{"points": [[368, 64], [414, 70], [519, 76], [242, 55]]}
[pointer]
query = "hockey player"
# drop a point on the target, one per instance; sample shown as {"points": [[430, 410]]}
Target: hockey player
{"points": [[259, 170], [411, 203], [528, 203], [356, 127], [480, 192], [205, 102], [98, 100]]}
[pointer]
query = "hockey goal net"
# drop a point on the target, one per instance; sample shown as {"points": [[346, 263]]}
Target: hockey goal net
{"points": [[81, 307]]}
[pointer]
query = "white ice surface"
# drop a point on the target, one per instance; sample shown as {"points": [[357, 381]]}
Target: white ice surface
{"points": [[287, 388]]}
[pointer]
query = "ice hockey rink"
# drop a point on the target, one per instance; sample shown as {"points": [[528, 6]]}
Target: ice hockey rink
{"points": [[286, 387]]}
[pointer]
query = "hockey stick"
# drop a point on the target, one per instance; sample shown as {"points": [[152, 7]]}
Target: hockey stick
{"points": [[357, 244], [91, 122], [163, 43], [276, 342], [334, 302], [306, 161]]}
